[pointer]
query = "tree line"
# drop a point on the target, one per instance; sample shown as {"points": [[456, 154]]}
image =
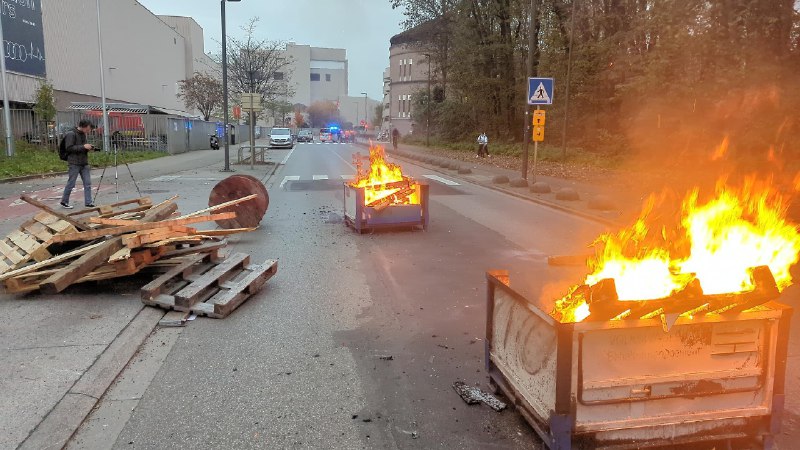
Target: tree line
{"points": [[646, 76]]}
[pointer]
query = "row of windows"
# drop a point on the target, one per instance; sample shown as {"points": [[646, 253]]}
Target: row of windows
{"points": [[316, 77], [405, 69]]}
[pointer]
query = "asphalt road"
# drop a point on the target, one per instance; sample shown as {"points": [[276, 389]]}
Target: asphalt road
{"points": [[305, 364]]}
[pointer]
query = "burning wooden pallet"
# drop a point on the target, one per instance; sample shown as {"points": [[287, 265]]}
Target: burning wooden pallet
{"points": [[207, 285]]}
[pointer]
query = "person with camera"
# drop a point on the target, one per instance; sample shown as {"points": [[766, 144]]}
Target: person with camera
{"points": [[78, 159]]}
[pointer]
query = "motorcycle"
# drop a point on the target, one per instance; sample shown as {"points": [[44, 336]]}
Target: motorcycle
{"points": [[213, 141]]}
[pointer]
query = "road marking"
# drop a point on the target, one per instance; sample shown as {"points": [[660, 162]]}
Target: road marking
{"points": [[345, 161], [289, 178], [288, 155], [319, 177], [348, 177], [441, 180]]}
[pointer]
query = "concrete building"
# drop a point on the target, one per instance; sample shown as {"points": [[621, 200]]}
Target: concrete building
{"points": [[408, 76], [387, 100], [143, 60], [316, 74]]}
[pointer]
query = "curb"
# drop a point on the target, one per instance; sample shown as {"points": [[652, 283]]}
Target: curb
{"points": [[32, 177], [58, 426]]}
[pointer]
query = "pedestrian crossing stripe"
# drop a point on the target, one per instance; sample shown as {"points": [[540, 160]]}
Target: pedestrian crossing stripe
{"points": [[441, 180], [319, 177], [289, 178]]}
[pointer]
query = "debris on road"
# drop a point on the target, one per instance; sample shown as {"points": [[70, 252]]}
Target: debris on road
{"points": [[472, 395], [386, 357], [53, 251]]}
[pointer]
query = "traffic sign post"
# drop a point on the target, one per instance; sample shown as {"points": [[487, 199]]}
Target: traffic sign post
{"points": [[251, 102], [540, 92]]}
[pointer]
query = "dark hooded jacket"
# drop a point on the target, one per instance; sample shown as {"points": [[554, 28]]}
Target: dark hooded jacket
{"points": [[76, 153]]}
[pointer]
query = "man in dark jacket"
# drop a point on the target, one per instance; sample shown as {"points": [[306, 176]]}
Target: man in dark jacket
{"points": [[78, 160]]}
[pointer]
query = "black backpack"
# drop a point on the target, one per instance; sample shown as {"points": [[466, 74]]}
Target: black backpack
{"points": [[62, 149]]}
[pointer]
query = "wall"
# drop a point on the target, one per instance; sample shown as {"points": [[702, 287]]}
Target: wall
{"points": [[195, 58], [408, 70], [143, 60]]}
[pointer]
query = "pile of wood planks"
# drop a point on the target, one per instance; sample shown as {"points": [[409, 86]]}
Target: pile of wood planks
{"points": [[53, 251]]}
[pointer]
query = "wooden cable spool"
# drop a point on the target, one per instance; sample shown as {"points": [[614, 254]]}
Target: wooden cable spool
{"points": [[248, 213]]}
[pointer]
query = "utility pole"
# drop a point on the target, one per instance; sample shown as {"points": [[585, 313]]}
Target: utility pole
{"points": [[428, 106], [532, 36], [252, 122], [569, 73], [106, 141], [227, 167], [6, 110]]}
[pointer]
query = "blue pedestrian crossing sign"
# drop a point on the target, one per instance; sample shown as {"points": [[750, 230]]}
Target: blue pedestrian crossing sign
{"points": [[540, 91]]}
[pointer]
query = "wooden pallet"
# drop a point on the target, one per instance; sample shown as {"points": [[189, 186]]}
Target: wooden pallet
{"points": [[128, 208], [31, 240], [208, 287]]}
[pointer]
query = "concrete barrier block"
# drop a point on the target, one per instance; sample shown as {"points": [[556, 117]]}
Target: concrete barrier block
{"points": [[567, 194], [602, 202], [519, 182], [541, 187], [500, 179]]}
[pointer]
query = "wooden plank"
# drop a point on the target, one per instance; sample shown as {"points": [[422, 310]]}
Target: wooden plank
{"points": [[234, 294], [114, 222], [38, 230], [49, 262], [207, 247], [24, 241], [221, 205], [123, 253], [182, 270], [10, 253], [109, 209], [75, 223], [224, 232], [192, 294], [95, 234], [45, 218], [99, 255], [60, 227]]}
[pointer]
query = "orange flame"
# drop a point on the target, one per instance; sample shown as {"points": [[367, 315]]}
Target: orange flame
{"points": [[716, 242], [380, 173]]}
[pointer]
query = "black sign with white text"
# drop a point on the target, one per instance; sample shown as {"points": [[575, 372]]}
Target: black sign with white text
{"points": [[23, 37]]}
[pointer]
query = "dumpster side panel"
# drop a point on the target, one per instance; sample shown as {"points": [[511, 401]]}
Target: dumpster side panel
{"points": [[523, 347]]}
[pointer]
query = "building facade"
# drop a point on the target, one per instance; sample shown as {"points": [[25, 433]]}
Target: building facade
{"points": [[408, 76], [143, 60], [316, 74]]}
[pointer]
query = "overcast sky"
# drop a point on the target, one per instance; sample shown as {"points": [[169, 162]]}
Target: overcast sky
{"points": [[362, 27]]}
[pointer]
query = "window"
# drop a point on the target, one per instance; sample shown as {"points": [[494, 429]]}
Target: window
{"points": [[278, 76], [327, 77], [314, 77], [410, 62]]}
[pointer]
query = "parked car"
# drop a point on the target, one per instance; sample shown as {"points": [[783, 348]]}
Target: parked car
{"points": [[305, 135], [280, 137]]}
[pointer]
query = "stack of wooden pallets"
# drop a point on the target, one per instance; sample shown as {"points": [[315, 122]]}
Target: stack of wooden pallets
{"points": [[53, 251]]}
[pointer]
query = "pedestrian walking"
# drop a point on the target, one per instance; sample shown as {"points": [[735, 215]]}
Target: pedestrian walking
{"points": [[483, 146], [77, 156], [395, 138]]}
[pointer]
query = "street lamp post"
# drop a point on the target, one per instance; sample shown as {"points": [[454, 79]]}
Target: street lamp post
{"points": [[106, 142], [6, 110], [227, 167], [366, 115], [356, 103], [428, 105]]}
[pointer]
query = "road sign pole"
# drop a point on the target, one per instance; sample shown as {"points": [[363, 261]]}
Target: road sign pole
{"points": [[535, 155], [527, 137]]}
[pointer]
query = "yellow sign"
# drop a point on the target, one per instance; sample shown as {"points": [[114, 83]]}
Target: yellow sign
{"points": [[538, 133], [538, 118], [251, 101]]}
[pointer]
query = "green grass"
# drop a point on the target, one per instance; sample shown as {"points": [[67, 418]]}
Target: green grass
{"points": [[33, 160]]}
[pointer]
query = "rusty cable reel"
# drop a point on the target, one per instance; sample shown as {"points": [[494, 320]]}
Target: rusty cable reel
{"points": [[248, 213]]}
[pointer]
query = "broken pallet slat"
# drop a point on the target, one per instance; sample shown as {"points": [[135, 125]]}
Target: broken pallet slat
{"points": [[76, 223], [194, 292], [188, 266], [94, 234], [49, 262]]}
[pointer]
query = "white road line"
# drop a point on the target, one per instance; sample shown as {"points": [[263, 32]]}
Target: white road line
{"points": [[289, 178], [348, 177], [319, 177], [345, 161], [441, 180], [288, 155]]}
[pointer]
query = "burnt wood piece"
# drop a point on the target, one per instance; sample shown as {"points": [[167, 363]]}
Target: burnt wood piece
{"points": [[568, 260], [98, 256], [389, 199], [233, 294], [248, 213], [75, 223]]}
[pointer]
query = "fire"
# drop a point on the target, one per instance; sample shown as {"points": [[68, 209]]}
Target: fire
{"points": [[716, 242], [382, 179]]}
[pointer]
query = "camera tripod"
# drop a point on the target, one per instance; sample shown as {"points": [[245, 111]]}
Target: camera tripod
{"points": [[116, 178]]}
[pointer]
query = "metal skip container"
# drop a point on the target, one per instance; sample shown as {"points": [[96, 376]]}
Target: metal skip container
{"points": [[361, 217], [631, 384]]}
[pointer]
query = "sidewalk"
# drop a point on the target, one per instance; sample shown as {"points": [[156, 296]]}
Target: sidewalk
{"points": [[61, 352]]}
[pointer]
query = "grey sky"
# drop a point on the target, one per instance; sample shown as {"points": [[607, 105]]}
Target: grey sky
{"points": [[362, 27]]}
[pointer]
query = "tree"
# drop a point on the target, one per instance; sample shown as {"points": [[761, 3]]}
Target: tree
{"points": [[377, 118], [44, 107], [299, 121], [202, 92], [323, 113]]}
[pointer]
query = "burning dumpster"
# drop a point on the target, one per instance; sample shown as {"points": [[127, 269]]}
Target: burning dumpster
{"points": [[382, 197], [668, 341]]}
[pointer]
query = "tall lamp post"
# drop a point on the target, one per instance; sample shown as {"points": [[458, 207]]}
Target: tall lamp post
{"points": [[106, 142], [428, 105], [366, 115], [227, 167], [6, 110]]}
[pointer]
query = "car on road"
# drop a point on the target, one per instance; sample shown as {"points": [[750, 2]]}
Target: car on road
{"points": [[280, 137], [305, 136]]}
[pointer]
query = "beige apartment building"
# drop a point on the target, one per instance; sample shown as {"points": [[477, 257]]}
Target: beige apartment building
{"points": [[408, 76]]}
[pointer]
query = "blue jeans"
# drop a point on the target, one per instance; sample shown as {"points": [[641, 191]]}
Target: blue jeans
{"points": [[86, 176]]}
